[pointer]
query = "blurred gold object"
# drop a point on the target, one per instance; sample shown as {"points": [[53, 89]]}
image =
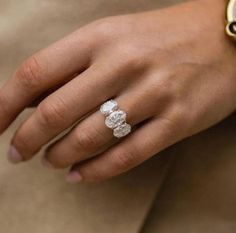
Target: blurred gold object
{"points": [[231, 18]]}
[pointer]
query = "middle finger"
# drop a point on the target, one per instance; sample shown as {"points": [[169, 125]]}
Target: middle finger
{"points": [[62, 109]]}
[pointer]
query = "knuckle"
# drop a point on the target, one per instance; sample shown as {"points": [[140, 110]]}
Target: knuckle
{"points": [[125, 159], [178, 114], [132, 61], [50, 114], [105, 28], [85, 139], [175, 122], [29, 74], [129, 57], [164, 87], [183, 119]]}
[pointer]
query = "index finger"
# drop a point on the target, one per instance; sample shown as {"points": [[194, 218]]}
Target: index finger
{"points": [[52, 66]]}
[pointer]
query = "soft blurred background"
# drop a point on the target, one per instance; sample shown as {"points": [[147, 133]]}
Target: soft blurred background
{"points": [[188, 188]]}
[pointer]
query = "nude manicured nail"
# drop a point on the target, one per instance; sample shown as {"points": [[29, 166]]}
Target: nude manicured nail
{"points": [[14, 156], [73, 177]]}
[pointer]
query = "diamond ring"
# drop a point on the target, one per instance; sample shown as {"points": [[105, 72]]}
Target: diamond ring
{"points": [[115, 119]]}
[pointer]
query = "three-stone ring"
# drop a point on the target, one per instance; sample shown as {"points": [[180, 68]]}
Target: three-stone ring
{"points": [[115, 119]]}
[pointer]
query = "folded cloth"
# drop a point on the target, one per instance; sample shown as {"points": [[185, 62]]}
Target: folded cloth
{"points": [[199, 194]]}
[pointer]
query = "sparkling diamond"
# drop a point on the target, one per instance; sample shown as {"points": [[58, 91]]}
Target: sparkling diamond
{"points": [[122, 130], [108, 107], [115, 119]]}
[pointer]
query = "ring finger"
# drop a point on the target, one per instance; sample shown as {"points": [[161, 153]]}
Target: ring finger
{"points": [[91, 136]]}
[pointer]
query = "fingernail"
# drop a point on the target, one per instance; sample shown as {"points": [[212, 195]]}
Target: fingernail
{"points": [[14, 156], [73, 177], [46, 163]]}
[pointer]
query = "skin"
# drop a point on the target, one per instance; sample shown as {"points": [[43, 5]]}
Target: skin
{"points": [[171, 70]]}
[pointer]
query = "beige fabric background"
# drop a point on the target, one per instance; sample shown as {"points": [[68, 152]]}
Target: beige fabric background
{"points": [[197, 195]]}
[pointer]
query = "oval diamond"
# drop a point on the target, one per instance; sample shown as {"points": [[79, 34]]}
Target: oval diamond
{"points": [[109, 107], [115, 119], [122, 130]]}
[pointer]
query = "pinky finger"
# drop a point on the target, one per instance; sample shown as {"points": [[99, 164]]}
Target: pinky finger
{"points": [[146, 141]]}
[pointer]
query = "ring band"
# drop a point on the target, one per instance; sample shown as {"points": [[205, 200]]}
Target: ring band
{"points": [[115, 119]]}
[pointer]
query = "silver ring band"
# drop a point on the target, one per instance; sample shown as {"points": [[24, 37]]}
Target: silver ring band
{"points": [[115, 119]]}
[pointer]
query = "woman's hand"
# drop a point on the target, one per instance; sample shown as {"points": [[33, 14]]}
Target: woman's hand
{"points": [[172, 71]]}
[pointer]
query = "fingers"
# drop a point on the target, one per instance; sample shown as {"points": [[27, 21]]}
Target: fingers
{"points": [[48, 68], [63, 108], [84, 141], [140, 145], [91, 135]]}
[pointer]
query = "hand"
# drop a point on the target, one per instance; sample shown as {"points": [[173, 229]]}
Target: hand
{"points": [[172, 71]]}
